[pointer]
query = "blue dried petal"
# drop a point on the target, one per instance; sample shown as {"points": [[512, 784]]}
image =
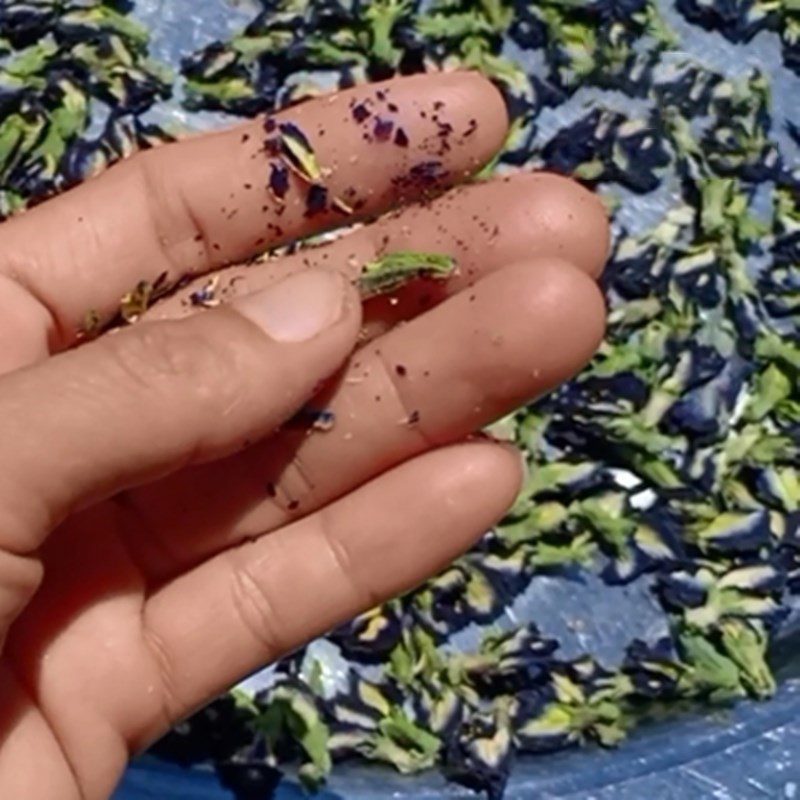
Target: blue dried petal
{"points": [[527, 28], [574, 145], [747, 318], [771, 488], [363, 705], [659, 534], [345, 743], [574, 479], [508, 572], [704, 362], [512, 662], [622, 386], [459, 596], [681, 589], [734, 532], [248, 779], [479, 756], [210, 62], [763, 578], [653, 669], [540, 726], [698, 414], [703, 284], [632, 274], [439, 709], [737, 20], [687, 87], [586, 672], [625, 567], [120, 137], [787, 558], [371, 636]]}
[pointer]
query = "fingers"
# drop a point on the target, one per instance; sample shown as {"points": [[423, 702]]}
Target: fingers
{"points": [[483, 226], [261, 600], [196, 205], [160, 396], [518, 333]]}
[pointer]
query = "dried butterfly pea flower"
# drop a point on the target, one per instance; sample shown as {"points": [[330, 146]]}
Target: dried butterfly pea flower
{"points": [[510, 662], [389, 272], [462, 594], [206, 296], [738, 22], [479, 754], [567, 714], [706, 598], [364, 705], [654, 670], [370, 636], [605, 145], [91, 324], [439, 707], [745, 643], [134, 303], [369, 721], [710, 673], [291, 712], [298, 154]]}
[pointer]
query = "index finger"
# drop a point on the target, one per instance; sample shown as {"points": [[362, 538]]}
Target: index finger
{"points": [[190, 207]]}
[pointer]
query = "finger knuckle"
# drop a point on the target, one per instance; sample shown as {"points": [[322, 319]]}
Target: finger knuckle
{"points": [[409, 412], [165, 357], [345, 566], [20, 577], [255, 610]]}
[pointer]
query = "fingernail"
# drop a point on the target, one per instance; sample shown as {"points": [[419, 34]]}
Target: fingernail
{"points": [[298, 308]]}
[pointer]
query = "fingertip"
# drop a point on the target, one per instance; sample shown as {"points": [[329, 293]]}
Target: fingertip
{"points": [[499, 465], [467, 487], [555, 216], [480, 100], [579, 218], [568, 306]]}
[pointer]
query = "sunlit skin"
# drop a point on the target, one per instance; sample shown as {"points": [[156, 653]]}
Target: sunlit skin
{"points": [[159, 540]]}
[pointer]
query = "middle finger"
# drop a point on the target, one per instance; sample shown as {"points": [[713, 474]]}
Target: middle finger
{"points": [[516, 334]]}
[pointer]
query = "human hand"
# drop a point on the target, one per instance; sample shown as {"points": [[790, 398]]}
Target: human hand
{"points": [[157, 543]]}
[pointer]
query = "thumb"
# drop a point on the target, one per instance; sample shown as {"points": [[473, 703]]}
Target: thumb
{"points": [[159, 396]]}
